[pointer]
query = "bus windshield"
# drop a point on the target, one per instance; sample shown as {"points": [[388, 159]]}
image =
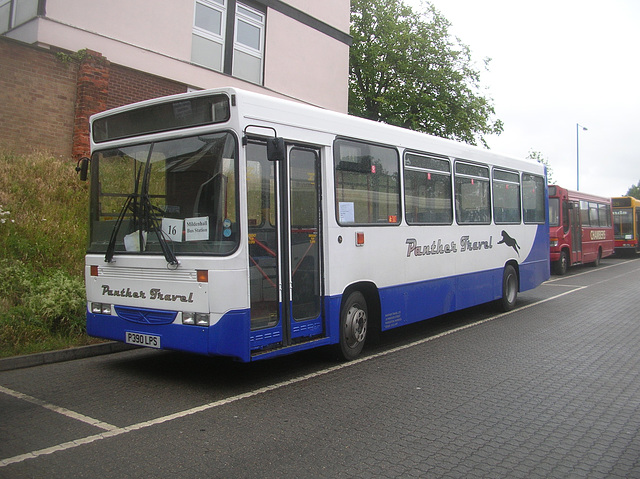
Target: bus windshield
{"points": [[179, 194], [623, 223]]}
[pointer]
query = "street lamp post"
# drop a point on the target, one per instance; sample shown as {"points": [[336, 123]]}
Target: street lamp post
{"points": [[578, 126]]}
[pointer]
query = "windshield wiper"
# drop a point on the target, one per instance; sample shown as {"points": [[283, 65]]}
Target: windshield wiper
{"points": [[154, 223], [108, 257]]}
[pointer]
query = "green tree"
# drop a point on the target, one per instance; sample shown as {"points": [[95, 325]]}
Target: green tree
{"points": [[537, 156], [407, 70], [634, 190]]}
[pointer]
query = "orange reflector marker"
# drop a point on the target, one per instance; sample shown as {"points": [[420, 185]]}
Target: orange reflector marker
{"points": [[202, 275], [94, 270], [359, 238]]}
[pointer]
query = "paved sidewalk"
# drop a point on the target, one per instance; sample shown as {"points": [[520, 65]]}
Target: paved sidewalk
{"points": [[36, 359]]}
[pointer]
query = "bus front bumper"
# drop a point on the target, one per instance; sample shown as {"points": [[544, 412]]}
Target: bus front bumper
{"points": [[227, 337]]}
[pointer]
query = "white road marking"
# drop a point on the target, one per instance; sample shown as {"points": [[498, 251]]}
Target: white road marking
{"points": [[58, 409]]}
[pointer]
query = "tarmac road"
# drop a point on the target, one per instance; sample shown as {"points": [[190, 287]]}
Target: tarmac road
{"points": [[550, 389]]}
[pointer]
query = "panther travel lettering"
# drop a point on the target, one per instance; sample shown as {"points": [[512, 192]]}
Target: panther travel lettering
{"points": [[154, 294]]}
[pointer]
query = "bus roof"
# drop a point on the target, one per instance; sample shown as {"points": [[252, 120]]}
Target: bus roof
{"points": [[578, 195]]}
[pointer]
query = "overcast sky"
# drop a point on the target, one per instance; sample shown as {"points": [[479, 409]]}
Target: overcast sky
{"points": [[556, 63]]}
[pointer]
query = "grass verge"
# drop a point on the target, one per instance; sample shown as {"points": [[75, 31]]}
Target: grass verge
{"points": [[43, 230]]}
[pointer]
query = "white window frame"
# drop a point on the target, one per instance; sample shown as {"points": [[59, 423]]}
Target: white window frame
{"points": [[253, 21], [13, 13], [220, 6], [6, 28]]}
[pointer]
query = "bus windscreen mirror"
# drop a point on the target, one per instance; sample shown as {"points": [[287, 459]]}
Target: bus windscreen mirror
{"points": [[275, 149], [82, 167]]}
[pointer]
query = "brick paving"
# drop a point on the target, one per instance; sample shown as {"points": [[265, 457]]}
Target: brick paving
{"points": [[549, 391]]}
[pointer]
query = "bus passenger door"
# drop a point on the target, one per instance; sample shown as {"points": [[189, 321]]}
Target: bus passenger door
{"points": [[284, 246], [304, 240], [576, 234]]}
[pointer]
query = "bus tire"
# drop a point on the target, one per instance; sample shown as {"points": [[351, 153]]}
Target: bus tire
{"points": [[354, 317], [560, 267], [509, 288], [596, 263]]}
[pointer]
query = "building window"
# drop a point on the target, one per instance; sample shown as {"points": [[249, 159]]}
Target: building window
{"points": [[248, 45], [230, 45], [207, 48], [14, 13]]}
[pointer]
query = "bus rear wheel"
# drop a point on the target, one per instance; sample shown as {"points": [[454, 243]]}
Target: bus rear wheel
{"points": [[509, 288], [353, 325]]}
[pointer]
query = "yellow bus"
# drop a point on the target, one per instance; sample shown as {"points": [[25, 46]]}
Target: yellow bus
{"points": [[626, 224]]}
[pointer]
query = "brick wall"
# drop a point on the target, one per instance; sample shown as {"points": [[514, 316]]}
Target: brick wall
{"points": [[92, 94], [128, 86], [45, 102], [37, 100]]}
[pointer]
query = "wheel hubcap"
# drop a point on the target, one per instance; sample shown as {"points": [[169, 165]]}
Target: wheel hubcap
{"points": [[355, 326]]}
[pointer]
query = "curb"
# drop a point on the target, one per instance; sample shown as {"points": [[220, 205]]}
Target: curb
{"points": [[38, 359]]}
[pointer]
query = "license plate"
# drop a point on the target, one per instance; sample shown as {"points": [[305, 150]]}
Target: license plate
{"points": [[139, 339]]}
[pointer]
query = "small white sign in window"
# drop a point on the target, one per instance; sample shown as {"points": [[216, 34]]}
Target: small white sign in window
{"points": [[196, 229], [172, 228], [347, 212]]}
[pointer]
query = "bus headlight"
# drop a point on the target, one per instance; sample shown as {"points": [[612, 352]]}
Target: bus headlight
{"points": [[188, 318], [197, 319], [101, 308], [553, 242]]}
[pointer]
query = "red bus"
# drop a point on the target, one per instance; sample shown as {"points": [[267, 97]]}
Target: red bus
{"points": [[580, 228], [626, 224]]}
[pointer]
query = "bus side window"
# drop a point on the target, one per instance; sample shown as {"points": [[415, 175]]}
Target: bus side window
{"points": [[472, 194], [533, 198], [427, 189]]}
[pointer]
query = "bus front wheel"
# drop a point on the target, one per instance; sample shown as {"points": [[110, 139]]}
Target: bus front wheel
{"points": [[509, 288], [353, 325], [561, 266]]}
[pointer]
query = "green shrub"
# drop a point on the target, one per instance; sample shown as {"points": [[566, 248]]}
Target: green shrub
{"points": [[16, 281], [59, 301]]}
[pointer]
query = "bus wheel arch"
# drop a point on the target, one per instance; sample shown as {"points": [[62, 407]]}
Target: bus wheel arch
{"points": [[359, 319], [510, 286], [596, 262]]}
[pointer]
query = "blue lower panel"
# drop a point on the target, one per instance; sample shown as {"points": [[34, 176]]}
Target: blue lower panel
{"points": [[228, 337], [533, 274], [308, 328], [409, 303]]}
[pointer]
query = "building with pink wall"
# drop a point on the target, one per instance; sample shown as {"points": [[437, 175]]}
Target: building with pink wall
{"points": [[293, 48]]}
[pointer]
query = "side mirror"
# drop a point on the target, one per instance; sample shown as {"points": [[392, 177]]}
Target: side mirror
{"points": [[82, 167], [275, 149]]}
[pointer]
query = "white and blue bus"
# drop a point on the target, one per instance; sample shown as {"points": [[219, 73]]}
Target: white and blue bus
{"points": [[230, 223]]}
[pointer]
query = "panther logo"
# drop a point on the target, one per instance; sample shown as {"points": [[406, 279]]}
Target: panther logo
{"points": [[509, 241]]}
